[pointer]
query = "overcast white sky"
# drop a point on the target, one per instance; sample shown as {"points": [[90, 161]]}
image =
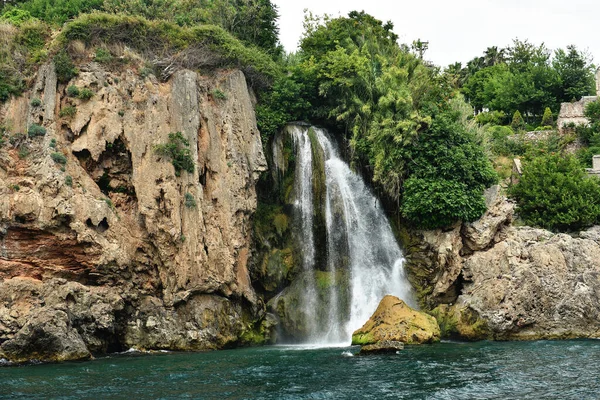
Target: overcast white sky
{"points": [[462, 29]]}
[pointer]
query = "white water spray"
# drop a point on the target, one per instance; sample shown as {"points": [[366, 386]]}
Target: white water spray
{"points": [[363, 258]]}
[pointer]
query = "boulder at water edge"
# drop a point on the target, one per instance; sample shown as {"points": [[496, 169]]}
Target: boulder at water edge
{"points": [[387, 346], [395, 321]]}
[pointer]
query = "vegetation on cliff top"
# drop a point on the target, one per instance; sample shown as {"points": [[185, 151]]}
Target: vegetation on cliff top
{"points": [[404, 122], [166, 42]]}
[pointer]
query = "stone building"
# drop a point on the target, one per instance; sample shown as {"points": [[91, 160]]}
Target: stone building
{"points": [[595, 170], [574, 112]]}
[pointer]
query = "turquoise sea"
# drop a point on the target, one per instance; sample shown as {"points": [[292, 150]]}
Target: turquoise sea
{"points": [[482, 370]]}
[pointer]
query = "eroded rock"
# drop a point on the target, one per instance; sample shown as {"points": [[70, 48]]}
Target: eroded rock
{"points": [[395, 321], [115, 226], [383, 347]]}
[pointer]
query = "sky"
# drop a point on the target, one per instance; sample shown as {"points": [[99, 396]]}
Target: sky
{"points": [[460, 30]]}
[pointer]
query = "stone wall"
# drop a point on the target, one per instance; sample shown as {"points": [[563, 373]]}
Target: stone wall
{"points": [[573, 113]]}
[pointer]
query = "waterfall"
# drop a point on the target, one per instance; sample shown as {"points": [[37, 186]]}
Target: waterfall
{"points": [[363, 261]]}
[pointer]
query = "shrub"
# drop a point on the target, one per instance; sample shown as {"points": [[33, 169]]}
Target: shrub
{"points": [[35, 102], [36, 130], [16, 16], [58, 158], [490, 117], [23, 152], [517, 121], [67, 111], [73, 91], [65, 69], [219, 94], [53, 143], [547, 119], [69, 180], [85, 94], [146, 71], [434, 203], [555, 193], [177, 149], [190, 202], [448, 173], [103, 56]]}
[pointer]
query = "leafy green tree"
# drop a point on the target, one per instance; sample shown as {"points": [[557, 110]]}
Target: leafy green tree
{"points": [[448, 172], [555, 193], [576, 73]]}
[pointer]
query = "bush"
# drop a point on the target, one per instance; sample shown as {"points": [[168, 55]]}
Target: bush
{"points": [[53, 143], [219, 94], [177, 149], [85, 94], [36, 130], [69, 180], [103, 56], [58, 158], [517, 121], [555, 193], [448, 174], [65, 69], [73, 91], [490, 118], [547, 119], [67, 111], [190, 202], [434, 203], [35, 102]]}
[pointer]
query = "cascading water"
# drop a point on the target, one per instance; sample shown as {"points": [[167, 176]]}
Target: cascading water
{"points": [[363, 261]]}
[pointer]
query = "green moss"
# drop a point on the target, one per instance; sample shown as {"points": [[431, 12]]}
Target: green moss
{"points": [[460, 322], [281, 223], [363, 339]]}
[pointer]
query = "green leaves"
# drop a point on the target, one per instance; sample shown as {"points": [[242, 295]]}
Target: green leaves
{"points": [[177, 149], [555, 193]]}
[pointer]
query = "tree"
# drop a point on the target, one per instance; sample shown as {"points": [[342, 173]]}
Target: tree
{"points": [[494, 56], [448, 171], [576, 73], [547, 119], [517, 121], [555, 193]]}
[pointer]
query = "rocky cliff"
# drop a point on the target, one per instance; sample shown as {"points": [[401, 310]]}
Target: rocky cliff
{"points": [[104, 244], [491, 279]]}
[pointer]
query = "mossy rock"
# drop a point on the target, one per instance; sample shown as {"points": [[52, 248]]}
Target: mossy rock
{"points": [[460, 322], [394, 320], [276, 269]]}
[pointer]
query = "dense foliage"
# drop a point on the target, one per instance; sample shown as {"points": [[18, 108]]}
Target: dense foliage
{"points": [[555, 193], [525, 78], [252, 21], [395, 111]]}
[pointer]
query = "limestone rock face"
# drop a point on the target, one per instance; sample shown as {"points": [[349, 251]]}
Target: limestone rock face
{"points": [[435, 258], [395, 321], [154, 259], [535, 284], [491, 280]]}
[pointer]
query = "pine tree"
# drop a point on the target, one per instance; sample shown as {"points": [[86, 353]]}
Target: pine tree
{"points": [[547, 119], [517, 121]]}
